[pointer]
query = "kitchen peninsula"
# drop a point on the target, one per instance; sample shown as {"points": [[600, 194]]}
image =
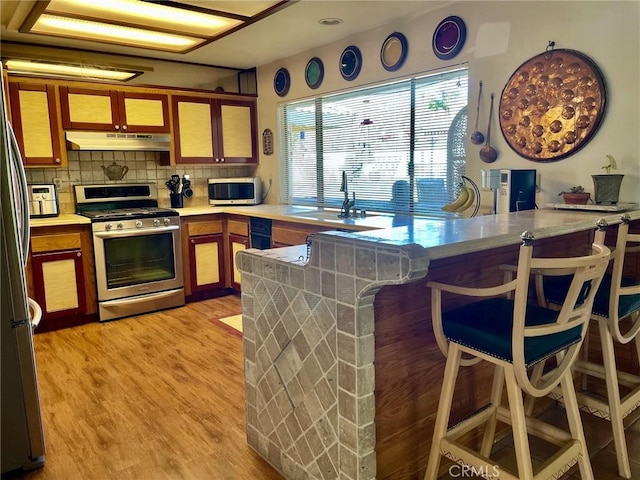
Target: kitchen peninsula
{"points": [[342, 372]]}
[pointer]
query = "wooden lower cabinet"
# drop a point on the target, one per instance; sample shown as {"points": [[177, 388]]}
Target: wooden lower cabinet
{"points": [[61, 276], [206, 253], [235, 244], [203, 256], [59, 283]]}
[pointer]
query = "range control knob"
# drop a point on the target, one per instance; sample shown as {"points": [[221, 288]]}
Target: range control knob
{"points": [[156, 222], [138, 223], [108, 226], [167, 221], [120, 225]]}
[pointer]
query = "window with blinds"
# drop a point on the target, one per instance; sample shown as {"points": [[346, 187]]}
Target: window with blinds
{"points": [[402, 145]]}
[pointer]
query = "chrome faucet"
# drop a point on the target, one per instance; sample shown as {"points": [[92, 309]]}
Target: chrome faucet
{"points": [[347, 205]]}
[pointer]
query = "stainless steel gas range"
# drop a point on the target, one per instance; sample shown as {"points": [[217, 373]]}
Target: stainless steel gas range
{"points": [[137, 249]]}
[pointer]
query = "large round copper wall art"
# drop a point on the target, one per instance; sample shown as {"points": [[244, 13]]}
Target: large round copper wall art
{"points": [[552, 105]]}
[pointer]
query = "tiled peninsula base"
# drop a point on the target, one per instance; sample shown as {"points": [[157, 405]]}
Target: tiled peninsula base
{"points": [[309, 352], [342, 371]]}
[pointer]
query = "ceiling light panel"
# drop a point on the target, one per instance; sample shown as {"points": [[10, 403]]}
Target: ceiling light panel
{"points": [[144, 14], [248, 8], [104, 32], [42, 68]]}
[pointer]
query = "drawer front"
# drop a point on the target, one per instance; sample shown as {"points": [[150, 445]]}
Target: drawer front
{"points": [[204, 228], [289, 236], [53, 243], [235, 227]]}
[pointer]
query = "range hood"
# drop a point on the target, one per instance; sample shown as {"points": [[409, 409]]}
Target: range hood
{"points": [[141, 142]]}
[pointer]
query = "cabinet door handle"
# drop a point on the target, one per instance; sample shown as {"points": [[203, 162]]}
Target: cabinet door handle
{"points": [[79, 254], [124, 127], [117, 127], [58, 160], [222, 159]]}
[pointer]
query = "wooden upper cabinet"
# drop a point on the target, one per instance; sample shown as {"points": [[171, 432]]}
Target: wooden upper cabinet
{"points": [[214, 131], [195, 132], [34, 117], [237, 121], [112, 110]]}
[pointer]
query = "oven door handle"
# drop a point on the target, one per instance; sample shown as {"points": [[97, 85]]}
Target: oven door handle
{"points": [[155, 296], [135, 233]]}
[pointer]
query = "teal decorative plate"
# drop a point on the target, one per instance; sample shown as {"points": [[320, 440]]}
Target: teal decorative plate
{"points": [[314, 72]]}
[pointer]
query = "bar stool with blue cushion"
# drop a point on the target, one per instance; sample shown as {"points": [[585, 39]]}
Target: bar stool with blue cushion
{"points": [[618, 298], [504, 329]]}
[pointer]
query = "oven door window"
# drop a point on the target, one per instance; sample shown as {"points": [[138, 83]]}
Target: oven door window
{"points": [[139, 259]]}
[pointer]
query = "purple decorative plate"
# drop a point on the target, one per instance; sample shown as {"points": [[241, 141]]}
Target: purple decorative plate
{"points": [[449, 37]]}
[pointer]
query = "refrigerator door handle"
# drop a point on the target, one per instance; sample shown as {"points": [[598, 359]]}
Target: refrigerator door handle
{"points": [[23, 191]]}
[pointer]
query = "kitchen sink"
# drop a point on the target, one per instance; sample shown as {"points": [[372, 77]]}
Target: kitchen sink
{"points": [[328, 215]]}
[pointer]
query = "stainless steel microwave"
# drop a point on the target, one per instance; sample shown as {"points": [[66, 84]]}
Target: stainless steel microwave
{"points": [[235, 191]]}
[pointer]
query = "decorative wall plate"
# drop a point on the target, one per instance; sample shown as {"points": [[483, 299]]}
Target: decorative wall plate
{"points": [[449, 37], [350, 63], [552, 105], [394, 51], [282, 82], [314, 72]]}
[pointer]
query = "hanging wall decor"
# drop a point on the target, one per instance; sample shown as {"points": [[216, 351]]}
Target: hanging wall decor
{"points": [[350, 63], [449, 37], [282, 82], [267, 142], [552, 105], [314, 72], [394, 51]]}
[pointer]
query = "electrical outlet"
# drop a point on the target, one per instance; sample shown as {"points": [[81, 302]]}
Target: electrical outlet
{"points": [[58, 183]]}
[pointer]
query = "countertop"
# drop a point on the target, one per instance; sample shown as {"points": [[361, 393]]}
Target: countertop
{"points": [[434, 239], [287, 213]]}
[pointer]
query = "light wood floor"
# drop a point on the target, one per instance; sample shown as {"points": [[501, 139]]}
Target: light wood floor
{"points": [[158, 396]]}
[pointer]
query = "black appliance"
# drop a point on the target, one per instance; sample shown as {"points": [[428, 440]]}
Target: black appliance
{"points": [[260, 233], [517, 191]]}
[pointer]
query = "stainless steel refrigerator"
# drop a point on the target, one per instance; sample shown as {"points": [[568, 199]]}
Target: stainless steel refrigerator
{"points": [[22, 440]]}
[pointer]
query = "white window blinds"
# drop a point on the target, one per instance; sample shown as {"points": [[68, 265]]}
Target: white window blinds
{"points": [[401, 145]]}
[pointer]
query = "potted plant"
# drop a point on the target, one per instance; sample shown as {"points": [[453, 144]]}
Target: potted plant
{"points": [[607, 186], [575, 196]]}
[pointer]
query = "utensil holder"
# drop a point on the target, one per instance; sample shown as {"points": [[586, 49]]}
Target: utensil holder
{"points": [[176, 200]]}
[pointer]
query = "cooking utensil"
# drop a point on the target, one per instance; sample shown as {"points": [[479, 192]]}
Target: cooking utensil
{"points": [[488, 154], [477, 137]]}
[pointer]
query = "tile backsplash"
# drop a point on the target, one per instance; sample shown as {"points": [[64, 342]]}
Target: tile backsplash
{"points": [[85, 167]]}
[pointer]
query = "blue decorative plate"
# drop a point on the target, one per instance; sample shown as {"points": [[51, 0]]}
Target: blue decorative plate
{"points": [[449, 37], [394, 51], [282, 82], [314, 72], [350, 63]]}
